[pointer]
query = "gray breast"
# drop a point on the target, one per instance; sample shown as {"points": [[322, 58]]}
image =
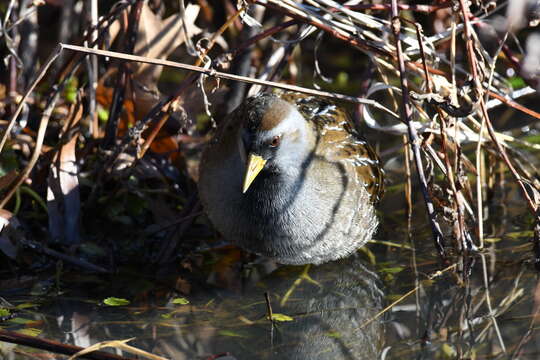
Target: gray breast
{"points": [[311, 220]]}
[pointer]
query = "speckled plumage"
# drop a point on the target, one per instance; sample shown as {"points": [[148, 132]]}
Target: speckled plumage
{"points": [[313, 200]]}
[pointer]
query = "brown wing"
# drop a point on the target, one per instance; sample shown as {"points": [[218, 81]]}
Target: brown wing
{"points": [[341, 142]]}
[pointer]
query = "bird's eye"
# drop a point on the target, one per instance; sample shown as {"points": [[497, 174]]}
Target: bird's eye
{"points": [[276, 140]]}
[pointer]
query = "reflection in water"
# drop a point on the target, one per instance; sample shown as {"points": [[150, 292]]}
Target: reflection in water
{"points": [[331, 306], [74, 322]]}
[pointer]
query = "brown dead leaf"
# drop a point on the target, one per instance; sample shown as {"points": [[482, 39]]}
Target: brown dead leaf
{"points": [[157, 38], [104, 96], [165, 145]]}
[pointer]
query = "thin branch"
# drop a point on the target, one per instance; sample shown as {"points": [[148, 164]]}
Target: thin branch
{"points": [[488, 303], [218, 74], [122, 77], [37, 149], [406, 114], [54, 346], [54, 55], [473, 67], [416, 8]]}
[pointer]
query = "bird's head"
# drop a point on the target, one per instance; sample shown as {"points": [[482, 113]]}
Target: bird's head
{"points": [[274, 137]]}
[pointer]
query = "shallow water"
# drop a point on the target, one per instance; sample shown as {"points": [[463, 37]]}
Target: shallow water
{"points": [[332, 311]]}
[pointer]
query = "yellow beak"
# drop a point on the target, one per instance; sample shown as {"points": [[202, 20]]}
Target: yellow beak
{"points": [[255, 164]]}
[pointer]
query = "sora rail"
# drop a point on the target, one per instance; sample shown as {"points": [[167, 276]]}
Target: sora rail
{"points": [[287, 176]]}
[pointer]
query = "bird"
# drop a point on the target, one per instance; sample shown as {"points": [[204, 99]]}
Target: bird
{"points": [[288, 176]]}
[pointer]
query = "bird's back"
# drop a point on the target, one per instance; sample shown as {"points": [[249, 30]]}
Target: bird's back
{"points": [[340, 140]]}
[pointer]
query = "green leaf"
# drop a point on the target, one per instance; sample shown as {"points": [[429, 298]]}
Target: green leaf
{"points": [[517, 235], [114, 301], [103, 114], [26, 305], [390, 243], [70, 91], [281, 317], [230, 333], [535, 139], [342, 79], [392, 270], [333, 334], [71, 96], [30, 331], [180, 301], [4, 312], [517, 82], [20, 321]]}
